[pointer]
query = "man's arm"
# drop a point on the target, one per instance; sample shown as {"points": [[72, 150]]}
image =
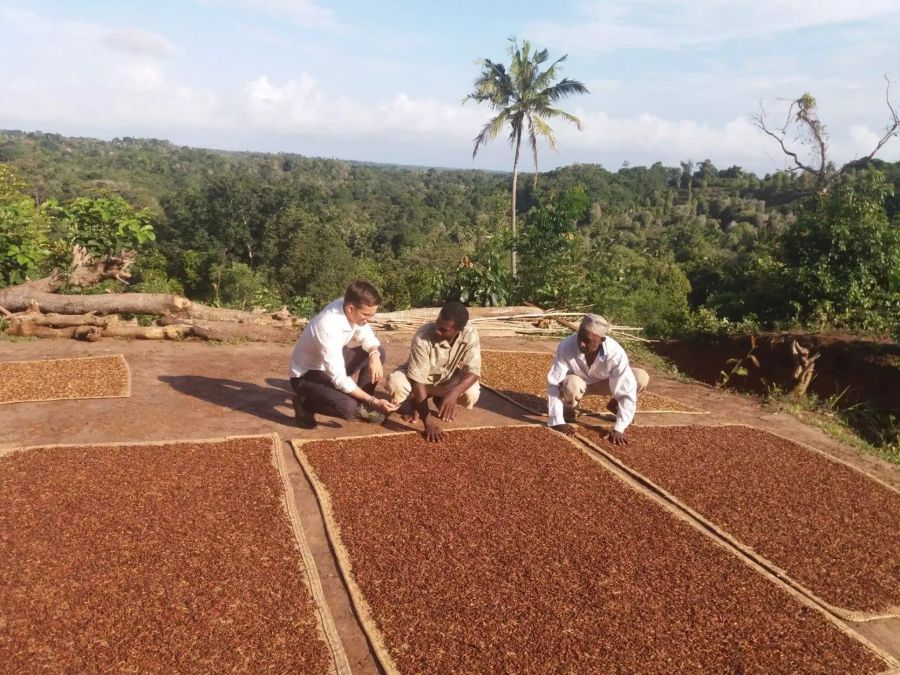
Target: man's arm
{"points": [[336, 369], [433, 433], [448, 406], [557, 374], [370, 344], [468, 372]]}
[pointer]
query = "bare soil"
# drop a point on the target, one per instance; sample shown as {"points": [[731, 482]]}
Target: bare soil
{"points": [[192, 389], [829, 527], [512, 551], [857, 370], [152, 558]]}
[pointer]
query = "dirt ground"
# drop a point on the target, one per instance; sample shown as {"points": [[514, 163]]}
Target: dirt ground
{"points": [[186, 390], [854, 368]]}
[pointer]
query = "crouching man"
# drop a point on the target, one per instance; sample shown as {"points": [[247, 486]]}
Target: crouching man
{"points": [[591, 362], [335, 346], [444, 363]]}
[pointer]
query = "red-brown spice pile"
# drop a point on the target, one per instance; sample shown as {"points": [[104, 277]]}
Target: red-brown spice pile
{"points": [[509, 550], [91, 377], [522, 376], [165, 558], [828, 526]]}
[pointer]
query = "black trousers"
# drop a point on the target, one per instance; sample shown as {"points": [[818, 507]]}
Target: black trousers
{"points": [[319, 395]]}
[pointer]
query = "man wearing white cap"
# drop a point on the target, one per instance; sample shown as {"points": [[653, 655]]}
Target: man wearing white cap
{"points": [[591, 362]]}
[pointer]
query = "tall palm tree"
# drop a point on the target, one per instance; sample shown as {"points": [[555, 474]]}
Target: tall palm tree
{"points": [[523, 97]]}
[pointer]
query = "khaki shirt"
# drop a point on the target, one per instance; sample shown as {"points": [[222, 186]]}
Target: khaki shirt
{"points": [[435, 363]]}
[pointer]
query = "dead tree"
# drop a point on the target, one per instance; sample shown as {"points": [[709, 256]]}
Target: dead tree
{"points": [[803, 127], [804, 365]]}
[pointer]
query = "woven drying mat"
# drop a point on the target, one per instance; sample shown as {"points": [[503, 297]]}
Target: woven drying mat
{"points": [[57, 379], [521, 378], [823, 524], [512, 550], [171, 557]]}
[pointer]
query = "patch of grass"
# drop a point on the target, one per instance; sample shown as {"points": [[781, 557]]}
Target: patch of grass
{"points": [[15, 338], [230, 342], [842, 424], [12, 338]]}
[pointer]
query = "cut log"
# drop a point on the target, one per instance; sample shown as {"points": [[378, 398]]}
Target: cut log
{"points": [[91, 333], [18, 298], [229, 330], [282, 318], [35, 316]]}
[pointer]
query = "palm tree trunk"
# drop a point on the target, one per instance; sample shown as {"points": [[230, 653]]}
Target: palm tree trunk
{"points": [[515, 181]]}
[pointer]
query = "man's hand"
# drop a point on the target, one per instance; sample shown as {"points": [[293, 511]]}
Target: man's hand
{"points": [[383, 405], [617, 438], [433, 433], [448, 407], [564, 429], [375, 367]]}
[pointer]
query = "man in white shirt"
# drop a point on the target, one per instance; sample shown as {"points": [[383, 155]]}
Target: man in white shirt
{"points": [[591, 362], [336, 345]]}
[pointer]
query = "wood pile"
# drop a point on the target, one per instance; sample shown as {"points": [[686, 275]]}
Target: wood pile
{"points": [[502, 322]]}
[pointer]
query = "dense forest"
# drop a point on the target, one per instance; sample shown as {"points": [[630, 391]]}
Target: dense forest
{"points": [[679, 250]]}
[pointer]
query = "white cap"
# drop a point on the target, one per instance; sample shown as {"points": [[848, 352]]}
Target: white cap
{"points": [[596, 324]]}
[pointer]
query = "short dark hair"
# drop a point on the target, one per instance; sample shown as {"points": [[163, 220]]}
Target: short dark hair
{"points": [[361, 293], [456, 312]]}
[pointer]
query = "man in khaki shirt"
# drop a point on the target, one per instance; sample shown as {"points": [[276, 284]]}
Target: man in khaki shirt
{"points": [[444, 362]]}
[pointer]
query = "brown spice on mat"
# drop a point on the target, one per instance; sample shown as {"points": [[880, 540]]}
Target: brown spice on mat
{"points": [[91, 377], [828, 526], [509, 550], [522, 376], [151, 558]]}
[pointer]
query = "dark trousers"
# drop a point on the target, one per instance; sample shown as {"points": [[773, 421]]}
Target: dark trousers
{"points": [[319, 395]]}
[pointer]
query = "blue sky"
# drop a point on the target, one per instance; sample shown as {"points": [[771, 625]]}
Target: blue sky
{"points": [[669, 80]]}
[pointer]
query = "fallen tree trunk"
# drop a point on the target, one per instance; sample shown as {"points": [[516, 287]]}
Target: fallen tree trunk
{"points": [[200, 312], [228, 330], [19, 298], [35, 316], [92, 333], [24, 297]]}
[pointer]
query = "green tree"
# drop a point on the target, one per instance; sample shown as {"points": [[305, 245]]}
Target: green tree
{"points": [[523, 96], [103, 225], [554, 252], [843, 255], [24, 230]]}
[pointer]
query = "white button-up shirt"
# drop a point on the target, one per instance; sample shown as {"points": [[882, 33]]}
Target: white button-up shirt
{"points": [[611, 364], [321, 345]]}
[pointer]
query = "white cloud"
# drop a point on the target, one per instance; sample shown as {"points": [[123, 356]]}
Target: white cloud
{"points": [[300, 107], [607, 25], [861, 140], [67, 76], [137, 42]]}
